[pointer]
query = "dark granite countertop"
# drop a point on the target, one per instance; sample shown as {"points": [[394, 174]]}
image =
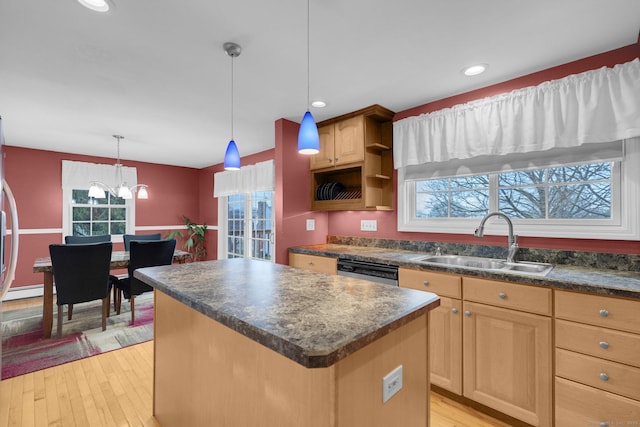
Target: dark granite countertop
{"points": [[598, 281], [312, 318]]}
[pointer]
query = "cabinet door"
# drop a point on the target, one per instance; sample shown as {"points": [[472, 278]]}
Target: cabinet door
{"points": [[507, 361], [349, 141], [324, 158], [320, 264], [445, 345]]}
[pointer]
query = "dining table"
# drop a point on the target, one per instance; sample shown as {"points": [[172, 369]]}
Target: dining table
{"points": [[119, 260]]}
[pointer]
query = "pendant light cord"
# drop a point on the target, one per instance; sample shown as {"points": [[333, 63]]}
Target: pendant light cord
{"points": [[308, 56], [232, 96]]}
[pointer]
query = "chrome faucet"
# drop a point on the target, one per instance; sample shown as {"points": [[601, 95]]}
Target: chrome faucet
{"points": [[512, 240]]}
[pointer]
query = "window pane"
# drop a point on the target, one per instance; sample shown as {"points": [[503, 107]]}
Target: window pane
{"points": [[432, 185], [580, 201], [99, 228], [432, 205], [116, 200], [81, 214], [118, 214], [80, 197], [118, 228], [469, 204], [82, 229], [528, 202], [580, 173], [470, 182], [520, 178], [100, 214]]}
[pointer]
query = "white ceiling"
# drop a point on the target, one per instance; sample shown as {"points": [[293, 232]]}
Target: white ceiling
{"points": [[155, 71]]}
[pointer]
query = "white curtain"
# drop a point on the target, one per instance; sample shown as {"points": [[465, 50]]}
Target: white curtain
{"points": [[258, 177], [80, 174], [595, 106]]}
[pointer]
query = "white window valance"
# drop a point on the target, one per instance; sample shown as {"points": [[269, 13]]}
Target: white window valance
{"points": [[80, 174], [595, 106], [258, 177]]}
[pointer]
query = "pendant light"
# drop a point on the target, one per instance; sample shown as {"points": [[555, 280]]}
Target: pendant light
{"points": [[232, 155], [308, 138], [97, 188]]}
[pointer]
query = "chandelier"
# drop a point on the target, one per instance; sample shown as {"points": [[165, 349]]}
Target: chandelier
{"points": [[97, 188]]}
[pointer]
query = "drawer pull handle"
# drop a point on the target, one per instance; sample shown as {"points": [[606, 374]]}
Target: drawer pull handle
{"points": [[603, 424], [467, 313], [604, 376], [502, 295], [425, 283], [310, 262], [604, 344], [604, 313], [454, 310]]}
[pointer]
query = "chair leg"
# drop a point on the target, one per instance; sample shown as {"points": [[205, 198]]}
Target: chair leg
{"points": [[133, 311], [70, 311], [118, 299], [60, 313], [105, 311], [108, 303]]}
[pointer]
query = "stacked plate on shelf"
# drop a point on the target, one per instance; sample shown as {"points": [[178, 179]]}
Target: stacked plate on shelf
{"points": [[329, 191]]}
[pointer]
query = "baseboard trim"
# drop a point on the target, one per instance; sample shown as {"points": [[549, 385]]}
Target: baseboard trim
{"points": [[25, 292]]}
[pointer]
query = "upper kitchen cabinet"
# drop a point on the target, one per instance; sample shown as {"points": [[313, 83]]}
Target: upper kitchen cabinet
{"points": [[354, 168]]}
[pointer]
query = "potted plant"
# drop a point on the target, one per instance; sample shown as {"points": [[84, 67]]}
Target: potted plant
{"points": [[195, 240]]}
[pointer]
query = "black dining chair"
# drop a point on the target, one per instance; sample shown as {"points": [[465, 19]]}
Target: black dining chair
{"points": [[81, 274], [83, 240], [127, 238], [143, 254]]}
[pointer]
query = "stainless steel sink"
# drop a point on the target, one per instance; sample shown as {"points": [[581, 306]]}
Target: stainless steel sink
{"points": [[523, 267]]}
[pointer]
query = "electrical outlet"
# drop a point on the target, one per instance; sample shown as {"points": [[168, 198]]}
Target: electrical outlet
{"points": [[311, 224], [368, 225], [391, 383]]}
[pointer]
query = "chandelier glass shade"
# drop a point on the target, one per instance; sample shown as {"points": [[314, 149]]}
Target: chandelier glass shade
{"points": [[98, 189]]}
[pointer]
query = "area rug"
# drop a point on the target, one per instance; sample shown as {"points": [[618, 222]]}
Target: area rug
{"points": [[24, 350]]}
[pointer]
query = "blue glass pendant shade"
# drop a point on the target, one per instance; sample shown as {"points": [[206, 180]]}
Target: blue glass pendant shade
{"points": [[232, 157], [308, 139]]}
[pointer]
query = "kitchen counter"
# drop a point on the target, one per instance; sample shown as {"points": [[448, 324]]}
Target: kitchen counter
{"points": [[606, 282], [247, 342]]}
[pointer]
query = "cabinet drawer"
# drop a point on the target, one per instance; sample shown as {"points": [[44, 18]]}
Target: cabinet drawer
{"points": [[578, 405], [508, 295], [599, 310], [599, 342], [320, 264], [603, 374], [446, 285]]}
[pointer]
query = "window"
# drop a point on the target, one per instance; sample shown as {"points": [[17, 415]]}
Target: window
{"points": [[249, 226], [86, 216], [93, 217], [565, 198]]}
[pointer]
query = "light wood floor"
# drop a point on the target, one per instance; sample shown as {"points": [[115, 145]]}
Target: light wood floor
{"points": [[115, 388]]}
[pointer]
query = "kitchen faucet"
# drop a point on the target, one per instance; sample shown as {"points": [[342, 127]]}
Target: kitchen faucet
{"points": [[512, 240]]}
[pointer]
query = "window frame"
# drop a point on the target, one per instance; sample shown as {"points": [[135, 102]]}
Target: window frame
{"points": [[223, 222], [624, 225]]}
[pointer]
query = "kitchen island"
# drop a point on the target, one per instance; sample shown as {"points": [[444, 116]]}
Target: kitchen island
{"points": [[247, 342]]}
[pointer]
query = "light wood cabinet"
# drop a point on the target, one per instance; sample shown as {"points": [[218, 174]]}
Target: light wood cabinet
{"points": [[507, 358], [597, 360], [445, 325], [319, 264], [356, 157]]}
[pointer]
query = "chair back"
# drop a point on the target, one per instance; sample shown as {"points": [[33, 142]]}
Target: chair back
{"points": [[83, 240], [148, 254], [127, 238], [81, 272]]}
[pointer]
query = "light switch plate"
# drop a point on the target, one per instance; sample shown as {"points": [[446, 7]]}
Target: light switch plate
{"points": [[311, 224], [391, 383], [368, 225]]}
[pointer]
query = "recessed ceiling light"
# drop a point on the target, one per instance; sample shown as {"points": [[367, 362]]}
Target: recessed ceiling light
{"points": [[474, 70], [95, 5], [319, 104]]}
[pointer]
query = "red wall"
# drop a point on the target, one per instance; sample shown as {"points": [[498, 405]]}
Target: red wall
{"points": [[35, 178], [348, 223]]}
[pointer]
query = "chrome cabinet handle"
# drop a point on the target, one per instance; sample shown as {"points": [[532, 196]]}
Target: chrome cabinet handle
{"points": [[310, 263], [604, 376], [467, 313], [603, 424], [604, 344], [425, 283], [604, 313], [502, 295], [454, 310], [335, 158]]}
